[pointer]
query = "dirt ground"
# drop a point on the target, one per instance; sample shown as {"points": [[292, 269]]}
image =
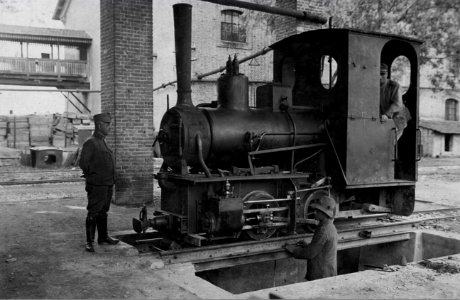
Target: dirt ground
{"points": [[42, 243], [42, 248], [439, 182]]}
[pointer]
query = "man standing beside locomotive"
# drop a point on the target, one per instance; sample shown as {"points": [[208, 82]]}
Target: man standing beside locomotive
{"points": [[322, 251], [98, 165], [391, 103]]}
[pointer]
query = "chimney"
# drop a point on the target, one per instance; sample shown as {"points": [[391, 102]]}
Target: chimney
{"points": [[183, 40]]}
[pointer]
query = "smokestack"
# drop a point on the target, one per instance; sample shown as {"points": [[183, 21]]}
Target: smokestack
{"points": [[183, 39]]}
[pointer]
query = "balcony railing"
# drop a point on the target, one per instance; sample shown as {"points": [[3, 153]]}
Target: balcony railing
{"points": [[36, 66]]}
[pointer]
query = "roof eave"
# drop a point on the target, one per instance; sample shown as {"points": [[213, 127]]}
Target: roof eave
{"points": [[441, 126], [45, 39]]}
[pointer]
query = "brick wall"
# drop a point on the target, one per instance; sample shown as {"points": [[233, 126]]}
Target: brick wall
{"points": [[126, 92], [286, 26]]}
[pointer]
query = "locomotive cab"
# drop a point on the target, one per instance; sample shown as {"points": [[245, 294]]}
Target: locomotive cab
{"points": [[336, 72]]}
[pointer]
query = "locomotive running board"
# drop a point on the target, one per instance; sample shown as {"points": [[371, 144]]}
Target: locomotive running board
{"points": [[274, 254], [350, 236], [396, 182]]}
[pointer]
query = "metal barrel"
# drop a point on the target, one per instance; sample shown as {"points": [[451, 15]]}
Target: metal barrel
{"points": [[183, 40]]}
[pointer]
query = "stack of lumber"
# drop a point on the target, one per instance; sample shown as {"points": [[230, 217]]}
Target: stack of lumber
{"points": [[18, 132], [40, 130], [9, 157], [58, 130], [65, 133], [62, 131], [76, 119], [3, 131]]}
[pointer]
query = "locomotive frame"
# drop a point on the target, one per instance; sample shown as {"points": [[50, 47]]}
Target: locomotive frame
{"points": [[230, 169]]}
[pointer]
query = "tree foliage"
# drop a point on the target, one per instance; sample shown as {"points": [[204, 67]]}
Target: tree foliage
{"points": [[262, 19], [436, 22]]}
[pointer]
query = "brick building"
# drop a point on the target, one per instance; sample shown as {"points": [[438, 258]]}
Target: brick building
{"points": [[438, 111], [133, 60], [439, 121], [439, 117]]}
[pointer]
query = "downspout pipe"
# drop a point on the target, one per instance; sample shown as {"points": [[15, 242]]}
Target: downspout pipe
{"points": [[302, 15]]}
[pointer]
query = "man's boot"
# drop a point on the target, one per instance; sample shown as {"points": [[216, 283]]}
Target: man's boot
{"points": [[90, 232], [102, 236]]}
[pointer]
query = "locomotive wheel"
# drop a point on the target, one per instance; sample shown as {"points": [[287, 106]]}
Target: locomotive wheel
{"points": [[308, 211], [258, 233]]}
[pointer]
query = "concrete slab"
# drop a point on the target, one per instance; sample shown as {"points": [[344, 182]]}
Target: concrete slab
{"points": [[409, 282], [414, 280], [184, 276]]}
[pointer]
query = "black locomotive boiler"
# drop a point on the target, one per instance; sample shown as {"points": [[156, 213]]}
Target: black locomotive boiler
{"points": [[230, 169]]}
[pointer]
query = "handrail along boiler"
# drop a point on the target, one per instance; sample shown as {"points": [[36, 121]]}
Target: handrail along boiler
{"points": [[231, 169]]}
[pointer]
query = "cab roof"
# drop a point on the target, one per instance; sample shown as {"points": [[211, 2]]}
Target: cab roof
{"points": [[320, 34]]}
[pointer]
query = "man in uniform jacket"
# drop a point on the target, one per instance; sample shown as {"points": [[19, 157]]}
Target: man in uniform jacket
{"points": [[98, 165], [391, 103], [321, 253]]}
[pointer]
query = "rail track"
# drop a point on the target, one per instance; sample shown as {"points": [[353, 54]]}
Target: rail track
{"points": [[364, 231], [40, 176]]}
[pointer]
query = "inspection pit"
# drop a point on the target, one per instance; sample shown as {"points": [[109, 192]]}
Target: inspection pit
{"points": [[421, 245], [246, 279]]}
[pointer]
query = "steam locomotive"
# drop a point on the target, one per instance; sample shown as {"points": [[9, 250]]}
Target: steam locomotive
{"points": [[231, 170]]}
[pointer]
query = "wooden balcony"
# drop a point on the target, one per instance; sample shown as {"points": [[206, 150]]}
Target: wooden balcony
{"points": [[44, 72]]}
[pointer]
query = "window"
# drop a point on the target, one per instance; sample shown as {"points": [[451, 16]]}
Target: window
{"points": [[328, 72], [400, 72], [451, 110], [232, 28], [448, 142]]}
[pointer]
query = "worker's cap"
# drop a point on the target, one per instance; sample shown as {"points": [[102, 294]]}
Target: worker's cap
{"points": [[383, 68], [103, 117], [326, 205]]}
